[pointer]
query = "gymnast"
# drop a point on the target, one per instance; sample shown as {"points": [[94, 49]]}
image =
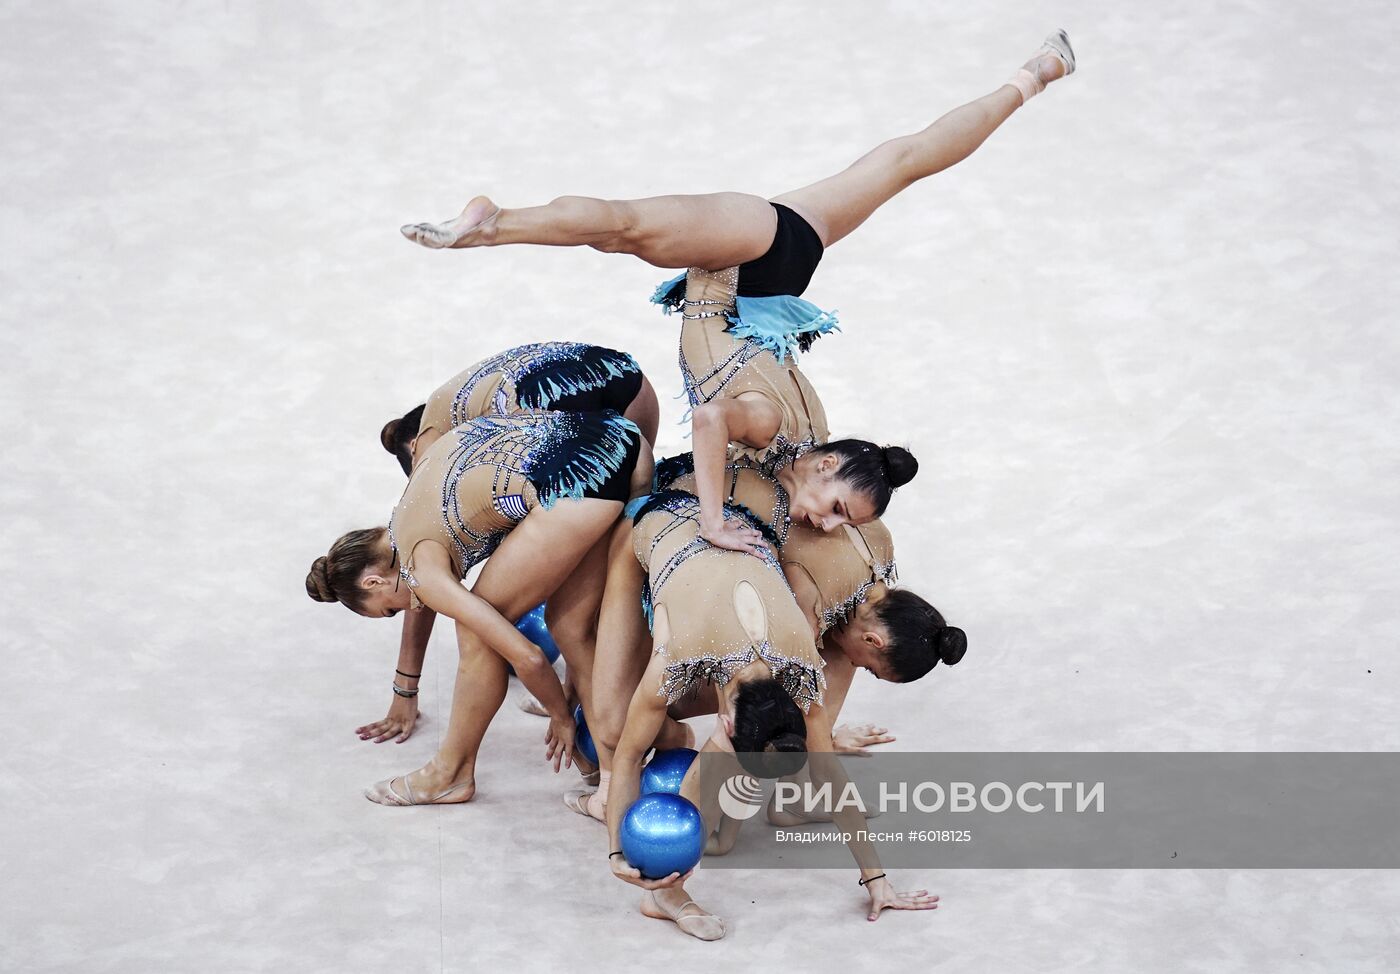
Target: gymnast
{"points": [[842, 580], [729, 620], [805, 486], [530, 494], [775, 246], [558, 376]]}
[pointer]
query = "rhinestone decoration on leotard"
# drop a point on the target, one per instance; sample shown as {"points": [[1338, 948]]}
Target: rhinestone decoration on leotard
{"points": [[558, 454], [839, 614], [800, 677], [773, 525], [705, 388], [802, 680], [534, 376]]}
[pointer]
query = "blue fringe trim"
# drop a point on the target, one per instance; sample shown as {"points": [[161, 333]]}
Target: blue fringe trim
{"points": [[580, 452], [670, 294], [783, 324], [588, 367]]}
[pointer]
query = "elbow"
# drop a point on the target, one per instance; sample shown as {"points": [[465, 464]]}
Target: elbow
{"points": [[708, 417]]}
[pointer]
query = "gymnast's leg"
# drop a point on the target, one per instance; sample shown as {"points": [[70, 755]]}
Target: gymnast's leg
{"points": [[718, 230], [838, 204]]}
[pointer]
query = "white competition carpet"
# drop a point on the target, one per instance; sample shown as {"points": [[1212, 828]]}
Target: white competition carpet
{"points": [[1144, 343]]}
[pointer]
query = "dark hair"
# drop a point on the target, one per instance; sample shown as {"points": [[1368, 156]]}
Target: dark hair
{"points": [[920, 638], [871, 469], [335, 576], [397, 433], [770, 733]]}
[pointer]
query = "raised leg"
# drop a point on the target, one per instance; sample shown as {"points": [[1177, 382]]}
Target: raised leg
{"points": [[720, 230], [713, 231], [838, 204]]}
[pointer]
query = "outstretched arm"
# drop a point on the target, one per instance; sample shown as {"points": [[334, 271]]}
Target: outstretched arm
{"points": [[825, 767], [751, 420], [403, 711], [645, 715]]}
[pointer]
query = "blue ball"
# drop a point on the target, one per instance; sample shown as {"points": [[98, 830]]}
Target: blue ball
{"points": [[666, 770], [583, 740], [663, 834], [532, 627]]}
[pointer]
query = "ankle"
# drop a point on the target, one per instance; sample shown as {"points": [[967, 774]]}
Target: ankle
{"points": [[671, 896], [1046, 67], [448, 771]]}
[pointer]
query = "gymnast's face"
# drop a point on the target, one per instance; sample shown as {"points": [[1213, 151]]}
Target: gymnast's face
{"points": [[822, 499], [386, 595], [863, 641]]}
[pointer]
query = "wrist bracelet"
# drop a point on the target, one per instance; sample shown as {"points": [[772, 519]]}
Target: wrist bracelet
{"points": [[410, 676], [617, 853], [402, 692], [872, 879]]}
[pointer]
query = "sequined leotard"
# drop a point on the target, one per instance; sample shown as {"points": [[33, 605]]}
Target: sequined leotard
{"points": [[843, 565], [696, 582], [482, 478], [718, 362], [565, 376]]}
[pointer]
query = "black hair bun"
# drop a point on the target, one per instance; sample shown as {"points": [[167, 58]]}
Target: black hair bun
{"points": [[900, 465], [781, 756], [952, 644]]}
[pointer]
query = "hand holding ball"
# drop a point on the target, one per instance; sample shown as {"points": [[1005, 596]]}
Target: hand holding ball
{"points": [[662, 834]]}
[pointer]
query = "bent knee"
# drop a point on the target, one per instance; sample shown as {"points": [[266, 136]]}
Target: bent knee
{"points": [[569, 631], [606, 726]]}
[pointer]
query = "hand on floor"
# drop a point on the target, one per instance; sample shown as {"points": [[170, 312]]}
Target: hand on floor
{"points": [[403, 717], [849, 739]]}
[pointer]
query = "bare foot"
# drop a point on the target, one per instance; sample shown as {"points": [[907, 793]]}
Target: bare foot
{"points": [[673, 904], [474, 227], [421, 788]]}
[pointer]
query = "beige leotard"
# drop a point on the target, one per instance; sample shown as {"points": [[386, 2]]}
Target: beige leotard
{"points": [[716, 364], [481, 479], [696, 584], [843, 565], [492, 387]]}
